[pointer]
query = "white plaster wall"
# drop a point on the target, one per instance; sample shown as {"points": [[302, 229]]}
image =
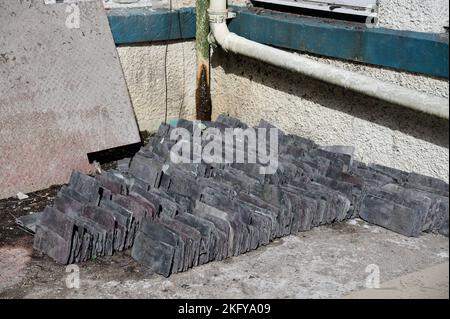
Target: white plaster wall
{"points": [[250, 90], [414, 15], [381, 132], [146, 67]]}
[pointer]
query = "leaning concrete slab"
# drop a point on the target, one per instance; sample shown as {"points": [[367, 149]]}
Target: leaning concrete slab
{"points": [[62, 92]]}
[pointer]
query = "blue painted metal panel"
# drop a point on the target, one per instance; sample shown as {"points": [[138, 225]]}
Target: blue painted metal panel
{"points": [[136, 25], [425, 53], [411, 51]]}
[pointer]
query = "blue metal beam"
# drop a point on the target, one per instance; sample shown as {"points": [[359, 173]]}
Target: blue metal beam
{"points": [[135, 25], [425, 53]]}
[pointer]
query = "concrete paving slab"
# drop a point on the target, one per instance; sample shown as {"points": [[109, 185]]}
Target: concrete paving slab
{"points": [[62, 92]]}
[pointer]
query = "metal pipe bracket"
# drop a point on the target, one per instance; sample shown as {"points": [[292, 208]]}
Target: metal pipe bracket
{"points": [[220, 16]]}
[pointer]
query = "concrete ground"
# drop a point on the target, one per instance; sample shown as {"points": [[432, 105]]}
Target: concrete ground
{"points": [[328, 262], [428, 283]]}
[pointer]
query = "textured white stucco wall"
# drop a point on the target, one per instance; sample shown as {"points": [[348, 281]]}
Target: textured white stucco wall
{"points": [[146, 67], [414, 15], [381, 132], [250, 90]]}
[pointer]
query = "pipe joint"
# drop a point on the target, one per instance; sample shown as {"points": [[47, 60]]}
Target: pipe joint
{"points": [[212, 41], [220, 16]]}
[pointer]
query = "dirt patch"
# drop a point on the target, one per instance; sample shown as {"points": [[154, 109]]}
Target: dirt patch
{"points": [[13, 262], [51, 277], [22, 269], [12, 208], [16, 246]]}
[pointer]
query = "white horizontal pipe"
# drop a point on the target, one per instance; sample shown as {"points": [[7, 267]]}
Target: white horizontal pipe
{"points": [[385, 91]]}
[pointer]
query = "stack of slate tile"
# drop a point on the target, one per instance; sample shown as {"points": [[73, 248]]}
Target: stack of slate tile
{"points": [[91, 217], [407, 203], [177, 216]]}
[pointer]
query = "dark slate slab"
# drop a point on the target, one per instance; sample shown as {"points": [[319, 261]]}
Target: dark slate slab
{"points": [[392, 216], [156, 255], [54, 235], [160, 233], [208, 232]]}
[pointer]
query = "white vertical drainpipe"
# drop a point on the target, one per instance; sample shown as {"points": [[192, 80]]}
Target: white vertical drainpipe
{"points": [[385, 91]]}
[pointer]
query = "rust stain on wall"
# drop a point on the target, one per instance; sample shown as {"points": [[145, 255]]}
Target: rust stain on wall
{"points": [[203, 94]]}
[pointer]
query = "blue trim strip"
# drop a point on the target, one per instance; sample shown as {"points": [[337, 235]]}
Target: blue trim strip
{"points": [[136, 25], [425, 53]]}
